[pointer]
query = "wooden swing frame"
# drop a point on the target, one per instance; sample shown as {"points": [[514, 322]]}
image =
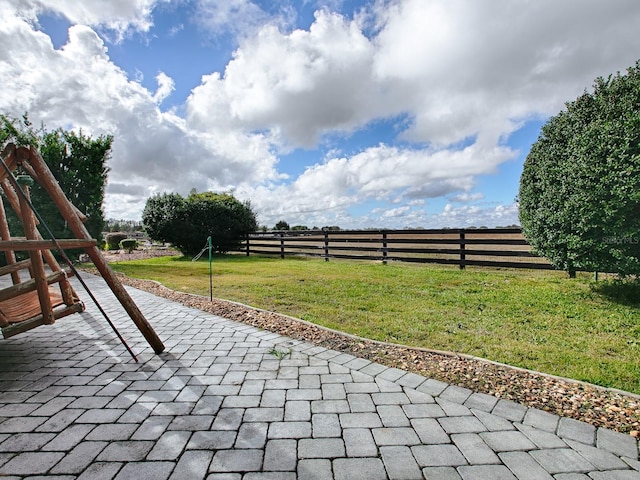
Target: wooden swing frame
{"points": [[47, 295]]}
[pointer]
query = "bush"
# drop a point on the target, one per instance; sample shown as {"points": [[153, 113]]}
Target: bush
{"points": [[186, 223], [129, 244], [580, 187], [114, 239]]}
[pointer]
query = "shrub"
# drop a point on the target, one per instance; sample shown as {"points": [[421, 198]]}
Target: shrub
{"points": [[580, 187], [129, 244], [114, 239]]}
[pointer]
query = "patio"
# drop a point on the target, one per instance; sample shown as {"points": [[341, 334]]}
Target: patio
{"points": [[229, 401]]}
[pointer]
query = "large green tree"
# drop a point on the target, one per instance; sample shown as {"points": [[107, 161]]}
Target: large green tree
{"points": [[76, 160], [187, 222], [580, 187]]}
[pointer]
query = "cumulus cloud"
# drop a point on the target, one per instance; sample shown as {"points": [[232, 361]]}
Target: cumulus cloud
{"points": [[463, 74]]}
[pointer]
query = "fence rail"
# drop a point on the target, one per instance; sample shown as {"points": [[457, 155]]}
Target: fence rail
{"points": [[500, 247]]}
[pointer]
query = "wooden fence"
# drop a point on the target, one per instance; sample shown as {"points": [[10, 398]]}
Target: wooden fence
{"points": [[502, 247]]}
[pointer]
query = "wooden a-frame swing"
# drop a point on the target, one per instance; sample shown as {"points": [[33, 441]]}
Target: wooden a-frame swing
{"points": [[47, 295]]}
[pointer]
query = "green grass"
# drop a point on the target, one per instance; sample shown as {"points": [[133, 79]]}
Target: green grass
{"points": [[537, 320]]}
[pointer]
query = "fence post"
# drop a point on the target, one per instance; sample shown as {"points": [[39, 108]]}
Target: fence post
{"points": [[282, 245], [248, 249], [384, 247], [326, 245], [463, 256]]}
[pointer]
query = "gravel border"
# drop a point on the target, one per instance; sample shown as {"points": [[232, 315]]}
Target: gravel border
{"points": [[608, 408]]}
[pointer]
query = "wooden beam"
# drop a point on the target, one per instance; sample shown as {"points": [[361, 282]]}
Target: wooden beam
{"points": [[50, 184], [31, 245]]}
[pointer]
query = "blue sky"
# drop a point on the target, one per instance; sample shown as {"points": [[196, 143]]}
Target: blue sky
{"points": [[363, 114]]}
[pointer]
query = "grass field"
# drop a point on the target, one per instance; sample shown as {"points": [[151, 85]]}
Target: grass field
{"points": [[540, 320]]}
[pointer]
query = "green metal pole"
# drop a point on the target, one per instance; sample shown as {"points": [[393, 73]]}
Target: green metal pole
{"points": [[210, 270]]}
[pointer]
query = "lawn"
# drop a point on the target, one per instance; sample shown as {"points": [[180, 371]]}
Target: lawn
{"points": [[539, 320]]}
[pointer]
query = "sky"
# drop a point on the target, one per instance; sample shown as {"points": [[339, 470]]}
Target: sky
{"points": [[356, 113]]}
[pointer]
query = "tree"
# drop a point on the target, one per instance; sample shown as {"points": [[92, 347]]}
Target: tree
{"points": [[580, 187], [281, 225], [79, 164], [187, 222]]}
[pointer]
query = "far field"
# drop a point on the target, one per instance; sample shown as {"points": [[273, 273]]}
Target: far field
{"points": [[540, 320]]}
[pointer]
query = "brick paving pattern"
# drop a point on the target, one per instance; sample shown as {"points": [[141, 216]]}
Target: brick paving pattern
{"points": [[227, 401]]}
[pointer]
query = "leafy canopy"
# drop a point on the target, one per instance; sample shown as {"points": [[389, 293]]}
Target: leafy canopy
{"points": [[77, 161], [187, 222], [580, 187]]}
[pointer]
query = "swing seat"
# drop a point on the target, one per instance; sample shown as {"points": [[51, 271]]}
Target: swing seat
{"points": [[23, 313]]}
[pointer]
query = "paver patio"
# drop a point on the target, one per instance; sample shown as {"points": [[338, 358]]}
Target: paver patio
{"points": [[218, 405]]}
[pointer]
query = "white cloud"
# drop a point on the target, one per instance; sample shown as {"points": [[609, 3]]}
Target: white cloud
{"points": [[166, 86], [464, 73]]}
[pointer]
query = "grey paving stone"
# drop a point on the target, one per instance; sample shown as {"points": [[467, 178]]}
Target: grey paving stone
{"points": [[481, 401], [393, 416], [21, 424], [542, 438], [169, 446], [485, 472], [400, 463], [261, 414], [252, 435], [440, 473], [297, 411], [305, 394], [236, 461], [199, 422], [112, 432], [571, 476], [562, 460], [510, 410], [619, 443], [360, 420], [60, 421], [25, 442], [129, 451], [456, 394], [281, 455], [79, 458], [453, 409], [289, 430], [467, 424], [101, 471], [433, 387], [68, 438], [601, 459], [507, 441], [31, 463], [359, 442], [493, 423], [430, 431], [138, 470], [333, 391], [411, 380], [321, 448], [273, 398], [226, 419], [326, 425], [270, 476], [541, 419], [359, 469], [438, 456], [329, 406], [615, 475], [360, 402], [392, 398], [152, 428], [192, 464], [429, 410], [474, 449], [364, 387], [575, 430], [524, 467], [314, 469], [212, 440], [395, 436]]}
